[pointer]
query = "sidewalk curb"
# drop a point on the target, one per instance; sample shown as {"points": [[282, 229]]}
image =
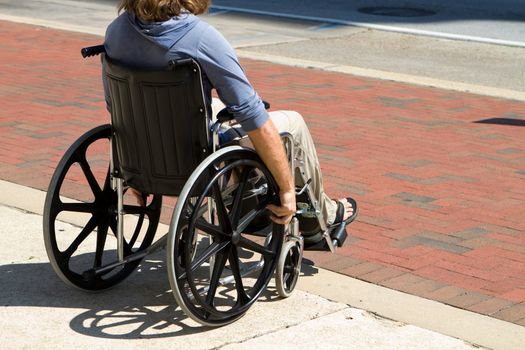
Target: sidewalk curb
{"points": [[53, 24], [383, 75]]}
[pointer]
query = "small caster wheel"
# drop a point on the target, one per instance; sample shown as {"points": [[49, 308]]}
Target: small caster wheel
{"points": [[288, 268]]}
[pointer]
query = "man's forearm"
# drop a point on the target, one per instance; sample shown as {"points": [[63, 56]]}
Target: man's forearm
{"points": [[269, 146]]}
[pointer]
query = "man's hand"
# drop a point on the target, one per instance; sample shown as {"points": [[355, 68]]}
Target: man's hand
{"points": [[283, 214]]}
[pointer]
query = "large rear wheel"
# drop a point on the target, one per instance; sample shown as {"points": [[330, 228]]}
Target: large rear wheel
{"points": [[218, 263], [75, 250]]}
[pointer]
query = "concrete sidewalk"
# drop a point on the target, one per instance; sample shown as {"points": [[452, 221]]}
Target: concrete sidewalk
{"points": [[38, 311]]}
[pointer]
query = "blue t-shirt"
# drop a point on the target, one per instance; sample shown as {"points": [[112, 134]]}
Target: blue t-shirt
{"points": [[135, 43]]}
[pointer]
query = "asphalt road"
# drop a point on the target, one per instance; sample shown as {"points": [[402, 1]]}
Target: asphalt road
{"points": [[485, 20]]}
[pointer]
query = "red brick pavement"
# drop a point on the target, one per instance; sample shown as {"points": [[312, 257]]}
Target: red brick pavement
{"points": [[442, 194]]}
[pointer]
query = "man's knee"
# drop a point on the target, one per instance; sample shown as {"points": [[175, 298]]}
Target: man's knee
{"points": [[289, 121]]}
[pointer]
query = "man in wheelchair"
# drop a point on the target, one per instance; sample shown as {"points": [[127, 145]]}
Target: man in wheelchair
{"points": [[150, 33], [241, 217]]}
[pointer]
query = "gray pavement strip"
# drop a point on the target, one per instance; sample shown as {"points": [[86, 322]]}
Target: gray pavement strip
{"points": [[359, 329]]}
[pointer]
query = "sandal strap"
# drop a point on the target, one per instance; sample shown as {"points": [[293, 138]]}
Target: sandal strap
{"points": [[341, 212]]}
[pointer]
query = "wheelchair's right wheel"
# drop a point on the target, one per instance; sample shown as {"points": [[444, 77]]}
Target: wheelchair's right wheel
{"points": [[75, 251], [217, 265], [288, 268]]}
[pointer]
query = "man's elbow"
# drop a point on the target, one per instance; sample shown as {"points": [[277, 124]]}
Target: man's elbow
{"points": [[266, 131]]}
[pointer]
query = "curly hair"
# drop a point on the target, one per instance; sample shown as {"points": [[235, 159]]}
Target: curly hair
{"points": [[162, 10]]}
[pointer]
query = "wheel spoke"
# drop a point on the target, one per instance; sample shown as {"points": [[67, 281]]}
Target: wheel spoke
{"points": [[113, 225], [134, 209], [227, 191], [107, 183], [137, 232], [237, 200], [197, 212], [77, 207], [102, 233], [210, 229], [202, 210], [92, 181], [218, 267], [224, 219], [255, 247], [90, 226], [214, 248], [252, 214], [140, 210], [288, 269], [236, 271]]}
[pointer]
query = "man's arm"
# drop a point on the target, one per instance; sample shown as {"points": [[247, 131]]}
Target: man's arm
{"points": [[269, 147]]}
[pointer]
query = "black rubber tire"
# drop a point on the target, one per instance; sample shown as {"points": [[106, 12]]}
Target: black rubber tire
{"points": [[201, 295], [103, 220], [288, 269]]}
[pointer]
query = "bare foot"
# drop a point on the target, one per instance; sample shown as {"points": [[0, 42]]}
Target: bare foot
{"points": [[349, 209]]}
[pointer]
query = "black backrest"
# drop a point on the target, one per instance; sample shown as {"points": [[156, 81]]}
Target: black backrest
{"points": [[160, 125]]}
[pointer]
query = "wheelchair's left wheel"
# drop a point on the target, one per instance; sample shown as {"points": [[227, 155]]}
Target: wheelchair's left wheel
{"points": [[288, 268], [216, 280], [75, 251]]}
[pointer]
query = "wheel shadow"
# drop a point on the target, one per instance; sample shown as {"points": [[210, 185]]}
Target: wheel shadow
{"points": [[140, 307]]}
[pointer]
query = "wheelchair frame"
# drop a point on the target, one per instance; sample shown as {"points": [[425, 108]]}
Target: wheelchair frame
{"points": [[286, 247]]}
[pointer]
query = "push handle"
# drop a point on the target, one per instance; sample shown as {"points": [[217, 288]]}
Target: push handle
{"points": [[92, 51]]}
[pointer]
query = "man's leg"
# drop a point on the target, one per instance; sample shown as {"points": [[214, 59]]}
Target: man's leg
{"points": [[293, 123]]}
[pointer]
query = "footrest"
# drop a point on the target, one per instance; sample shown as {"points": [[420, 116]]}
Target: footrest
{"points": [[338, 236], [319, 246]]}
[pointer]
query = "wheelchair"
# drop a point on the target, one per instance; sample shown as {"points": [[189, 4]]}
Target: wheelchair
{"points": [[221, 247]]}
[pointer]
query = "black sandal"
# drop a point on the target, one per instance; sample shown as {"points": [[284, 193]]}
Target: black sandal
{"points": [[341, 212], [314, 237]]}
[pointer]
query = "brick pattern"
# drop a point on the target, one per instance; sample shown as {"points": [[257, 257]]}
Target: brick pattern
{"points": [[439, 175]]}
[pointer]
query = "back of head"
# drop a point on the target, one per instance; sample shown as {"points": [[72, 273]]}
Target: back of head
{"points": [[162, 10]]}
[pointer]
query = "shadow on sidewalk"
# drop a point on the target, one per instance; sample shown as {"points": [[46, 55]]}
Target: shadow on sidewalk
{"points": [[140, 307], [502, 121]]}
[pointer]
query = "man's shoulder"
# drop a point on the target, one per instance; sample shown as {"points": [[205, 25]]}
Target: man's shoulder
{"points": [[204, 27], [210, 36], [121, 20]]}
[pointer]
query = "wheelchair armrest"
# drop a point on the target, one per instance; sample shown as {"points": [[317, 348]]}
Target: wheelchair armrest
{"points": [[92, 50], [224, 115]]}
